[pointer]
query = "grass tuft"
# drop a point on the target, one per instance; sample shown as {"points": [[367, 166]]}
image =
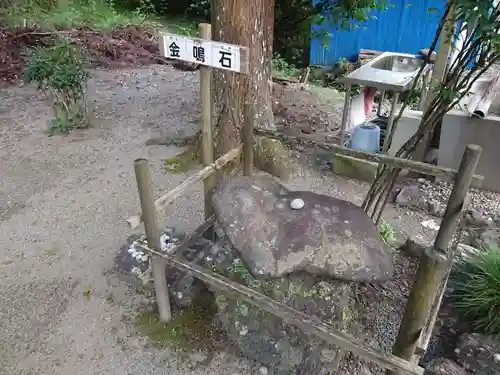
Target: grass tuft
{"points": [[99, 14], [66, 14], [476, 289]]}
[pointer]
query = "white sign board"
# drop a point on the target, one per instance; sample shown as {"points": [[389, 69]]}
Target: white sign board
{"points": [[205, 52]]}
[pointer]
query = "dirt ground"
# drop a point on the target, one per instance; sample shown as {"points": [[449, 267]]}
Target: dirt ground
{"points": [[63, 205]]}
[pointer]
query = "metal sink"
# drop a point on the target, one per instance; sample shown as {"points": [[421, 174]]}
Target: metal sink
{"points": [[398, 63], [389, 71]]}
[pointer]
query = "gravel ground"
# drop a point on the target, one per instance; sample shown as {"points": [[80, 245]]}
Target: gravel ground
{"points": [[63, 204], [486, 203]]}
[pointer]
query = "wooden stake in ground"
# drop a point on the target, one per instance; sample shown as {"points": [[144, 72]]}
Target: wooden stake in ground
{"points": [[345, 114], [458, 195], [159, 266], [248, 139], [432, 267], [206, 123]]}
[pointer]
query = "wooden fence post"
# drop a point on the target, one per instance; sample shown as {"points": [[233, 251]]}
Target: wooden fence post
{"points": [[159, 266], [209, 183], [458, 195], [345, 114], [432, 267], [248, 139]]}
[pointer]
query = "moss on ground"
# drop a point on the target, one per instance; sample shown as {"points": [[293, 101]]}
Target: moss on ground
{"points": [[190, 329], [182, 162]]}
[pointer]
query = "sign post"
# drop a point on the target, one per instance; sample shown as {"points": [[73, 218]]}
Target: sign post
{"points": [[207, 143], [208, 54]]}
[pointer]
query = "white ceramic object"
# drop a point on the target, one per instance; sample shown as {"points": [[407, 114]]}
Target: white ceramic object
{"points": [[297, 204]]}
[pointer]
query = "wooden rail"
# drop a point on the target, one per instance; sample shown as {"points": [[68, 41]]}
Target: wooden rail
{"points": [[166, 199], [414, 329], [416, 166], [297, 318]]}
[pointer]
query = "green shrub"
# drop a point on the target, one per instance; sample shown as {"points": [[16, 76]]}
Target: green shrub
{"points": [[60, 73], [475, 283], [199, 8]]}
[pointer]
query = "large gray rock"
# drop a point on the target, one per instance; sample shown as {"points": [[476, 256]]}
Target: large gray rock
{"points": [[328, 236], [475, 219], [410, 195], [484, 238], [479, 354], [283, 348], [444, 366]]}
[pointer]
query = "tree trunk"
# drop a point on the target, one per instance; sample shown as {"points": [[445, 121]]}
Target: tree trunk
{"points": [[247, 23]]}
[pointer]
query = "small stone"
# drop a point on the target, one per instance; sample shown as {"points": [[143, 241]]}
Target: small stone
{"points": [[263, 370], [433, 208], [409, 196], [422, 180], [430, 224], [243, 330], [131, 250], [444, 366], [477, 353], [496, 357], [144, 258], [297, 204]]}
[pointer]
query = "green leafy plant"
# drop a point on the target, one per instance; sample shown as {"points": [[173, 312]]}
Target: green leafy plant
{"points": [[387, 232], [475, 283], [282, 68], [60, 73]]}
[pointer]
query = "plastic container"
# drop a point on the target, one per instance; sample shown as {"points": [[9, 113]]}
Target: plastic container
{"points": [[366, 137]]}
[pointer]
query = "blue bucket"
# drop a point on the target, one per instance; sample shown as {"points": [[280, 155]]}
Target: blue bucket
{"points": [[366, 137]]}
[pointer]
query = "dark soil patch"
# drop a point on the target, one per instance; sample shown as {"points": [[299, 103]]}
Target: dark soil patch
{"points": [[312, 111], [125, 46], [307, 109]]}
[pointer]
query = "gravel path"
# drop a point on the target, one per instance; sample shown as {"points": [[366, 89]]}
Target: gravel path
{"points": [[63, 204]]}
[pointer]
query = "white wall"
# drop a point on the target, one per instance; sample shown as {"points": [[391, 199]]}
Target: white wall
{"points": [[407, 126], [457, 131]]}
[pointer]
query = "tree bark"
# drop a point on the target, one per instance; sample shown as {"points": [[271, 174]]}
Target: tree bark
{"points": [[247, 23]]}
